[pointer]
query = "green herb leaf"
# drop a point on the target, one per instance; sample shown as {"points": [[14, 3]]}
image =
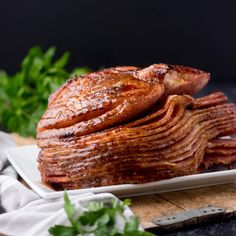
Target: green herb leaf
{"points": [[132, 225], [62, 62], [127, 202], [59, 230], [69, 208], [24, 95], [99, 220]]}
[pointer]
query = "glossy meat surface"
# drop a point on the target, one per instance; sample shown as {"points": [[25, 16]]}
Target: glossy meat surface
{"points": [[130, 125], [220, 151], [113, 96]]}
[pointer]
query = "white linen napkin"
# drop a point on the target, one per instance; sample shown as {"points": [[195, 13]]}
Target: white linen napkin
{"points": [[29, 215], [5, 167], [26, 213]]}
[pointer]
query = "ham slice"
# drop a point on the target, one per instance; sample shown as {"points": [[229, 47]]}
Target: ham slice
{"points": [[220, 151], [166, 141], [107, 98]]}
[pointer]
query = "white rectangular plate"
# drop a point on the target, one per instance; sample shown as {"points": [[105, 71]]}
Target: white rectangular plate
{"points": [[24, 160]]}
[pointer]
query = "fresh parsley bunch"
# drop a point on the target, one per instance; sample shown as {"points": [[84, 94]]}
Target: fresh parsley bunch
{"points": [[24, 95], [99, 220]]}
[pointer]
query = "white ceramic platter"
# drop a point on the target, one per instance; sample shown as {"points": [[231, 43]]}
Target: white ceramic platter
{"points": [[24, 160]]}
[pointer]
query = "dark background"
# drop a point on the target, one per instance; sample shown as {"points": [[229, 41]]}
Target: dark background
{"points": [[106, 33]]}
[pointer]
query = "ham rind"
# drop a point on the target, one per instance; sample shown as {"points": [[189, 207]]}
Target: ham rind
{"points": [[172, 139], [107, 98]]}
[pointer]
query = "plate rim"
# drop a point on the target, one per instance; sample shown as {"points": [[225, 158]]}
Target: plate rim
{"points": [[113, 188]]}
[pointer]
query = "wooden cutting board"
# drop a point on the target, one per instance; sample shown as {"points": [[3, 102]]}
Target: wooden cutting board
{"points": [[150, 207], [154, 206]]}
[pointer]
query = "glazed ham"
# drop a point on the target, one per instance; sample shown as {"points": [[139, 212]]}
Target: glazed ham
{"points": [[109, 97], [130, 125], [220, 151]]}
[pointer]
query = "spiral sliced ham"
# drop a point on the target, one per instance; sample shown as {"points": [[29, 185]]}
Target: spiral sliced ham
{"points": [[220, 151], [130, 125], [109, 97]]}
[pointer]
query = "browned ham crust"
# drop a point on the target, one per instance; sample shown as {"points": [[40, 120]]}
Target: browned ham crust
{"points": [[112, 96], [130, 125]]}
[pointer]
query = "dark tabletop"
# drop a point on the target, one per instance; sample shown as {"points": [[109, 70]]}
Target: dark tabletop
{"points": [[225, 228]]}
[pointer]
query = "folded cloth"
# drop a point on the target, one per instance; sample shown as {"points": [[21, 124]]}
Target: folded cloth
{"points": [[28, 214], [5, 167]]}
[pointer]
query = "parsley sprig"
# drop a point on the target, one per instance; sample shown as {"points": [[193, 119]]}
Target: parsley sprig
{"points": [[99, 220], [24, 95]]}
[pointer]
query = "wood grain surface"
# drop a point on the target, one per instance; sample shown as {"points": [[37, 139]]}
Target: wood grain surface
{"points": [[158, 205]]}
